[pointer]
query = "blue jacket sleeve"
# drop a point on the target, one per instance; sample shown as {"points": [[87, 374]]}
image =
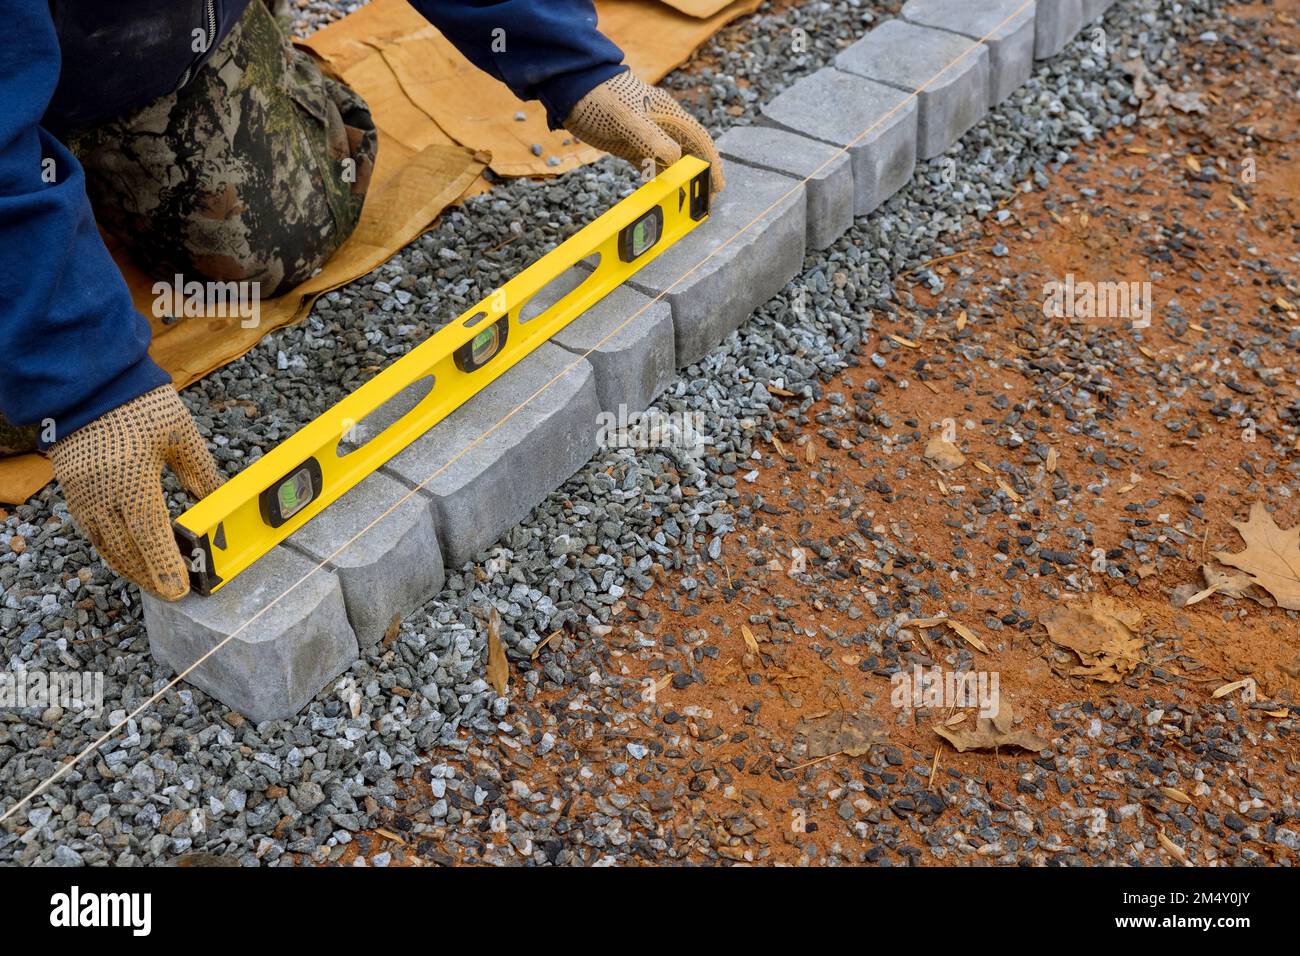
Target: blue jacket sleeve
{"points": [[547, 50], [72, 345]]}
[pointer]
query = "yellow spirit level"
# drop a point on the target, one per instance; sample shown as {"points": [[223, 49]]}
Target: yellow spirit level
{"points": [[276, 495]]}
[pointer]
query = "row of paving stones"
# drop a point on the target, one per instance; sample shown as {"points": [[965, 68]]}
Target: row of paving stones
{"points": [[833, 146]]}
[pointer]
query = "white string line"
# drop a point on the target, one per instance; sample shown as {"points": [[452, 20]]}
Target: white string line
{"points": [[578, 360]]}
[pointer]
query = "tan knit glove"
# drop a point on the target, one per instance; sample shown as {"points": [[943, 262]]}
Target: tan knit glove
{"points": [[635, 121], [110, 471]]}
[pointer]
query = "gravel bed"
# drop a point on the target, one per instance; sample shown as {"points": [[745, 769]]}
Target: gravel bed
{"points": [[191, 776]]}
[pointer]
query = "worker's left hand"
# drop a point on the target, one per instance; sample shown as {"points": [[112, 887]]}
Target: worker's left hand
{"points": [[111, 474], [639, 122]]}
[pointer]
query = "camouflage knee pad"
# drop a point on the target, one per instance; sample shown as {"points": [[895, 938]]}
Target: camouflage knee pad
{"points": [[255, 170], [16, 439]]}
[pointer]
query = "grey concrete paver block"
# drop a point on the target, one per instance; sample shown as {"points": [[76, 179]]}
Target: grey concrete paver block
{"points": [[482, 488], [825, 169], [390, 563], [1005, 26], [877, 123], [284, 656], [1094, 9], [949, 73], [751, 245], [1055, 24], [631, 356]]}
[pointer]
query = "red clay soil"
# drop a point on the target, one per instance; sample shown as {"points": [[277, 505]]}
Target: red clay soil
{"points": [[1203, 647]]}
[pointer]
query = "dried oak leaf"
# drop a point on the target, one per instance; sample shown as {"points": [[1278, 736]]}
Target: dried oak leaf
{"points": [[1104, 637], [1219, 580], [1271, 558], [990, 733], [498, 669], [838, 732]]}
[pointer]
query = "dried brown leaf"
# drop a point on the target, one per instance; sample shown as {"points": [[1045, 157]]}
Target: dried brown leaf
{"points": [[991, 733], [1171, 847], [957, 627], [390, 632], [1233, 584], [1104, 637], [943, 454], [839, 733], [1271, 558], [967, 635], [1226, 689], [498, 669]]}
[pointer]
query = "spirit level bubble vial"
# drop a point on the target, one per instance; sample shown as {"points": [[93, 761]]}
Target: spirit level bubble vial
{"points": [[276, 495]]}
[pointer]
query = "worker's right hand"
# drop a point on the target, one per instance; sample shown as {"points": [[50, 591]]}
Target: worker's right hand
{"points": [[642, 124], [111, 472]]}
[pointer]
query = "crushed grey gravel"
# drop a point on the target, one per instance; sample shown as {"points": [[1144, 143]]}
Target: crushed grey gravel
{"points": [[189, 776]]}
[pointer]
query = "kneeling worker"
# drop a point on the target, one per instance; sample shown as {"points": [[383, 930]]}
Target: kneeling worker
{"points": [[197, 135]]}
